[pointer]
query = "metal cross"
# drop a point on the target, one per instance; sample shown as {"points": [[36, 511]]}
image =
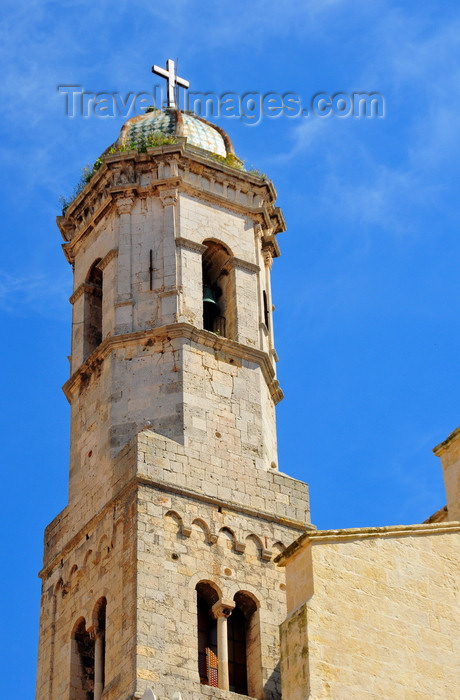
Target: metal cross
{"points": [[172, 79]]}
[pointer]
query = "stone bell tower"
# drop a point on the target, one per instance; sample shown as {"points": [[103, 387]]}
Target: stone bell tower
{"points": [[158, 577]]}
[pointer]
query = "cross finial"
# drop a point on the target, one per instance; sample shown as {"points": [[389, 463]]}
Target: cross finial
{"points": [[172, 79]]}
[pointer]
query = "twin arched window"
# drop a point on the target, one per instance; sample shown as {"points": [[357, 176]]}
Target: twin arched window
{"points": [[87, 661], [228, 641]]}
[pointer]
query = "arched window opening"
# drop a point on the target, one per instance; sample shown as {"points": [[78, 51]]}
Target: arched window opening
{"points": [[93, 310], [244, 652], [82, 664], [99, 647], [237, 666], [219, 312], [207, 634]]}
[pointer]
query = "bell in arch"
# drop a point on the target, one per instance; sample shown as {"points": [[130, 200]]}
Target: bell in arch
{"points": [[209, 297], [211, 307]]}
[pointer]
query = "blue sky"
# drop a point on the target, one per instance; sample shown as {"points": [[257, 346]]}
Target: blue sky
{"points": [[366, 290]]}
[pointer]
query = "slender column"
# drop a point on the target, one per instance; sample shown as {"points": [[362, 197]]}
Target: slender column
{"points": [[124, 206], [221, 611], [169, 294], [268, 260], [123, 305], [98, 664]]}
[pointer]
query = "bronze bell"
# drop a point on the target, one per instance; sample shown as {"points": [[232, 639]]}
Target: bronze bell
{"points": [[209, 297]]}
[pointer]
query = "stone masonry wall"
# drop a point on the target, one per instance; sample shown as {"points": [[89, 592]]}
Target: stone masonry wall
{"points": [[207, 521], [100, 561], [373, 614], [226, 524]]}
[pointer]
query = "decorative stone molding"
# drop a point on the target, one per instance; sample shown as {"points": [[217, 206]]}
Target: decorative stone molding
{"points": [[169, 291], [78, 293], [258, 231], [223, 608], [231, 348], [168, 197], [190, 245], [276, 392], [95, 632], [245, 265], [266, 554], [268, 258], [111, 255], [124, 204], [126, 176], [363, 533]]}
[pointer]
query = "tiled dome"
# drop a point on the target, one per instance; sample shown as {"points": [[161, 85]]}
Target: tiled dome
{"points": [[172, 122]]}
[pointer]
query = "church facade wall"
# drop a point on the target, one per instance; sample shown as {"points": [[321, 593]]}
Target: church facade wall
{"points": [[373, 613]]}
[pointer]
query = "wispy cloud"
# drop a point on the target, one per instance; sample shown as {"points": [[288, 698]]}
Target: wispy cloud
{"points": [[22, 295], [413, 68]]}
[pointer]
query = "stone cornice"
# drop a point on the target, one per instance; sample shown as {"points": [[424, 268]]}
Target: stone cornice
{"points": [[90, 205], [124, 203], [168, 197], [178, 330], [245, 265], [165, 486], [443, 446], [78, 293], [190, 245], [364, 533], [141, 480], [111, 255], [268, 257]]}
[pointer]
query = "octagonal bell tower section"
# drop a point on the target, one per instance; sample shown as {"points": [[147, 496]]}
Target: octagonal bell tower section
{"points": [[171, 247]]}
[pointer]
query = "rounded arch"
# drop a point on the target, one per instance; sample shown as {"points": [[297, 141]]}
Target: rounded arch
{"points": [[208, 590], [81, 660], [256, 542], [245, 645], [99, 613], [204, 527], [247, 602], [73, 571], [175, 516], [226, 534], [219, 290], [58, 586], [94, 273], [117, 531], [103, 547], [204, 577], [78, 627], [211, 241], [207, 594], [87, 558], [278, 548], [92, 321]]}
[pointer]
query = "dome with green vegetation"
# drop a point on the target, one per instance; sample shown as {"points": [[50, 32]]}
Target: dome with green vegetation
{"points": [[173, 123]]}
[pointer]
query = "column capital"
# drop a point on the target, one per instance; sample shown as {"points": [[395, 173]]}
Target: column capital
{"points": [[223, 608], [258, 230], [168, 197], [95, 633], [268, 258], [124, 204]]}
